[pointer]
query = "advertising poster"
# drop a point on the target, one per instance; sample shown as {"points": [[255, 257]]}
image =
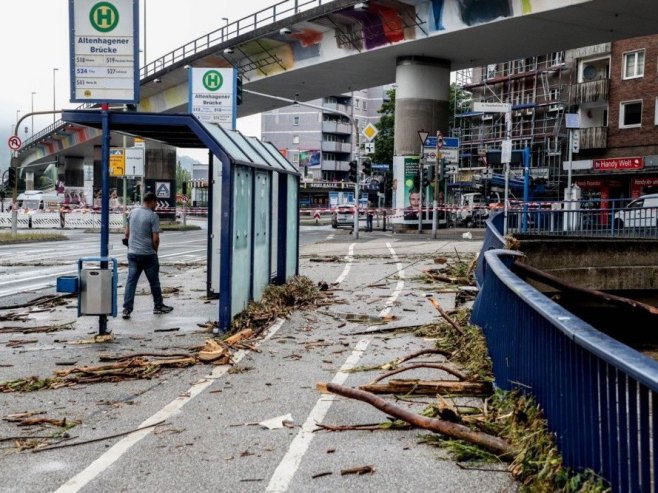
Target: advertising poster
{"points": [[409, 194]]}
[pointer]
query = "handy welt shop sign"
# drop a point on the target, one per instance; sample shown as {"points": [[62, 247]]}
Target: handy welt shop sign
{"points": [[104, 49], [212, 97]]}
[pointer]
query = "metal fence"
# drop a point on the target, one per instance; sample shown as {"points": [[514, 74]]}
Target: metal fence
{"points": [[600, 397], [589, 218]]}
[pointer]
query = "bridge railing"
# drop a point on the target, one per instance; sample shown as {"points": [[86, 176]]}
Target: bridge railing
{"points": [[586, 218], [599, 396], [269, 15]]}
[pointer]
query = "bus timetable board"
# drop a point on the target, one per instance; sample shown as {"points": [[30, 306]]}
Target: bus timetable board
{"points": [[104, 50]]}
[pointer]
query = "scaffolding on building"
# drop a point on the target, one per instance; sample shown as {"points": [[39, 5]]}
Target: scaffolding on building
{"points": [[538, 89]]}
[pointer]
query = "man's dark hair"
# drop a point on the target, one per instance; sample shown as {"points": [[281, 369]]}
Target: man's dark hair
{"points": [[150, 197]]}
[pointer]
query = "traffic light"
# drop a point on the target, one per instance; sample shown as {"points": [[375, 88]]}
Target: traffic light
{"points": [[238, 91], [351, 176], [367, 167], [184, 188], [11, 178]]}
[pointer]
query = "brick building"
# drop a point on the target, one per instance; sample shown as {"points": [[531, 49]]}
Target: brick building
{"points": [[615, 95]]}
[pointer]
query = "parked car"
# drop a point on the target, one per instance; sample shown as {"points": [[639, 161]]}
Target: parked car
{"points": [[343, 215], [640, 213]]}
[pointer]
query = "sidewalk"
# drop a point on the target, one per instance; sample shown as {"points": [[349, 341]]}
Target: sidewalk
{"points": [[207, 441]]}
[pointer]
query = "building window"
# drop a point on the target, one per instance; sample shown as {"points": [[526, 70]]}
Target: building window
{"points": [[295, 139], [630, 114], [655, 118], [634, 64], [365, 104], [357, 103], [295, 120]]}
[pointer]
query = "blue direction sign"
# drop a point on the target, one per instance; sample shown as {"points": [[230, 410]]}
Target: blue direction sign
{"points": [[448, 142]]}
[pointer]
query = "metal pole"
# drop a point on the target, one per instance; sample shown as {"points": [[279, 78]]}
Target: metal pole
{"points": [[570, 162], [125, 186], [508, 128], [32, 111], [435, 202], [55, 69], [420, 190], [105, 200], [357, 188], [144, 49], [526, 187]]}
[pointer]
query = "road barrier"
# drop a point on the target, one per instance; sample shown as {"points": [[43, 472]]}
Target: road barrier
{"points": [[600, 397], [55, 220]]}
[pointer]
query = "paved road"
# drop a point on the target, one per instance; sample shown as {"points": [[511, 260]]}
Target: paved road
{"points": [[207, 441], [35, 266]]}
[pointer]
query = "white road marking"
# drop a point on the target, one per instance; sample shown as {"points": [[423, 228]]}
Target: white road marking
{"points": [[398, 287], [101, 464], [330, 237], [288, 466], [348, 265]]}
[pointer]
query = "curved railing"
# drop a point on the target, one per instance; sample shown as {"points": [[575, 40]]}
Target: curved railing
{"points": [[600, 397], [493, 240], [240, 27]]}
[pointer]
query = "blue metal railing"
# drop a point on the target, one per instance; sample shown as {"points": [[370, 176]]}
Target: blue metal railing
{"points": [[277, 12], [493, 240], [600, 397], [619, 218]]}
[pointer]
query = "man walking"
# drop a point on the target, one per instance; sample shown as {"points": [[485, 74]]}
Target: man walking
{"points": [[143, 240]]}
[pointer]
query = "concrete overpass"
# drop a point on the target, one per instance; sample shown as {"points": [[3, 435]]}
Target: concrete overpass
{"points": [[310, 49]]}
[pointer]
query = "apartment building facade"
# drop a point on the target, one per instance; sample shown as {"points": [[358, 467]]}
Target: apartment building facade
{"points": [[321, 142], [615, 95]]}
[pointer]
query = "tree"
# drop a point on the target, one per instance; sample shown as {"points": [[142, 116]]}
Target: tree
{"points": [[386, 126], [182, 175]]}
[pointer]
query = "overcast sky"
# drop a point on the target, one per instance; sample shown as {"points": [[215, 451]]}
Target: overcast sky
{"points": [[34, 37]]}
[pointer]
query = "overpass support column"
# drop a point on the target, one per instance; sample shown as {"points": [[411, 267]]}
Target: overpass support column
{"points": [[422, 102]]}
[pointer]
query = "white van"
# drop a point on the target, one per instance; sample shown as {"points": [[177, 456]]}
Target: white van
{"points": [[37, 200], [640, 213]]}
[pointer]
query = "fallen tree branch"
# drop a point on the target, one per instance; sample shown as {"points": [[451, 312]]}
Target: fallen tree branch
{"points": [[446, 317], [431, 387], [384, 330], [423, 352], [121, 357], [491, 443], [99, 439], [437, 366]]}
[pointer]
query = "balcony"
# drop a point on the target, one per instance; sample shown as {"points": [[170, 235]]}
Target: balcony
{"points": [[335, 165], [593, 138], [595, 91], [342, 147], [336, 106], [336, 128]]}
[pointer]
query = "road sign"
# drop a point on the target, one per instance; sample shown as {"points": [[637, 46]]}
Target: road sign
{"points": [[117, 161], [572, 120], [15, 142], [506, 151], [450, 155], [369, 147], [429, 154], [104, 45], [212, 97], [162, 189], [450, 142], [370, 132], [451, 169], [492, 107], [134, 161]]}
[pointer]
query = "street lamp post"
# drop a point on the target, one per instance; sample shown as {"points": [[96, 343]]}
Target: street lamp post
{"points": [[422, 135], [225, 30], [55, 69], [32, 110]]}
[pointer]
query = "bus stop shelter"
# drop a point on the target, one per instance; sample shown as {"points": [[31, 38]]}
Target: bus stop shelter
{"points": [[253, 222]]}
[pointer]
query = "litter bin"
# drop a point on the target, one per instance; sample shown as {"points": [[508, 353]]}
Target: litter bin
{"points": [[96, 292]]}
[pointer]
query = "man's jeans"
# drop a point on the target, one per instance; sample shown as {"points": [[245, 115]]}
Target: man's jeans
{"points": [[136, 265]]}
